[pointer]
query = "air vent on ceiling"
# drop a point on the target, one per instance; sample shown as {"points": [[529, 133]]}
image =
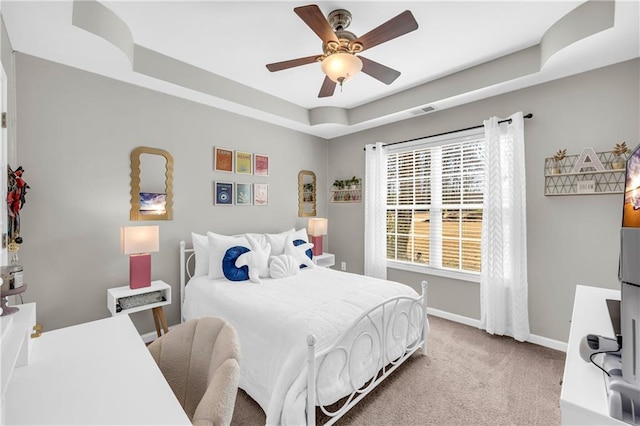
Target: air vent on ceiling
{"points": [[423, 110]]}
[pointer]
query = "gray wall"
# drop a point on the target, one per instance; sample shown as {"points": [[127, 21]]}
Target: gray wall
{"points": [[75, 133], [76, 130], [571, 239], [7, 153]]}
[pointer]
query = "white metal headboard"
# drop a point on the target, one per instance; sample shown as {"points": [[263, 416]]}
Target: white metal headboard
{"points": [[185, 271]]}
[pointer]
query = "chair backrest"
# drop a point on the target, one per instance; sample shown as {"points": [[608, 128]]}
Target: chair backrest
{"points": [[201, 361]]}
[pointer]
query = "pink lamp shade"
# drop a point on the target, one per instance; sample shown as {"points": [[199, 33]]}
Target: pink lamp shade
{"points": [[317, 227], [138, 242]]}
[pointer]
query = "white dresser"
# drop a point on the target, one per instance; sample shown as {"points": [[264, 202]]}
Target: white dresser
{"points": [[583, 400]]}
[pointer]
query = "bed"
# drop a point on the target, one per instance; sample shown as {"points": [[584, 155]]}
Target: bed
{"points": [[319, 339]]}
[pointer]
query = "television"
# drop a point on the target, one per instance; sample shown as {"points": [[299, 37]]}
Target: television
{"points": [[629, 272]]}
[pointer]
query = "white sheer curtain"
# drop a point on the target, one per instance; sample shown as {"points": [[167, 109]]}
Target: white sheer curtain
{"points": [[503, 282], [375, 213]]}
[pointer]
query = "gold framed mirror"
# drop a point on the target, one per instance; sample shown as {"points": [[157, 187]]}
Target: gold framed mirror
{"points": [[151, 184], [306, 193]]}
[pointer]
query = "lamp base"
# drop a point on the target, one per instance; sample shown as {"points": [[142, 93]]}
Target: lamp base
{"points": [[317, 245], [139, 270]]}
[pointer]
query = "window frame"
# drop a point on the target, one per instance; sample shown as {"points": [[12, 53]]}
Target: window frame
{"points": [[434, 141]]}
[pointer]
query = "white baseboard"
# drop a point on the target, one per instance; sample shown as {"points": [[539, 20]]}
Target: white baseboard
{"points": [[151, 336], [536, 340]]}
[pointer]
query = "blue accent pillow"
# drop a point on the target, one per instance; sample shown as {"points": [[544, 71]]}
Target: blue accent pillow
{"points": [[309, 252], [229, 268]]}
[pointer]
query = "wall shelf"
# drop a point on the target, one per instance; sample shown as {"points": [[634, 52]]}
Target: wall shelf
{"points": [[608, 181], [346, 190]]}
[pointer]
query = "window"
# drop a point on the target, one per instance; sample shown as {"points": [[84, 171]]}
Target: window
{"points": [[434, 204]]}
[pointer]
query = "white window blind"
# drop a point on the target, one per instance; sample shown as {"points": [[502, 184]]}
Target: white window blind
{"points": [[434, 202]]}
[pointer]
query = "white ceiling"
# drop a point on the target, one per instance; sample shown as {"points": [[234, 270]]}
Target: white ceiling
{"points": [[230, 43]]}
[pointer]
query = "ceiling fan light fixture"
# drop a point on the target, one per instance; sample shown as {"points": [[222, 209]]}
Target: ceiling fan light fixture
{"points": [[340, 67]]}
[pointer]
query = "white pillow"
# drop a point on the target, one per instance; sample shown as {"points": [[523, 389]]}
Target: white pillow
{"points": [[257, 259], [283, 266], [301, 234], [261, 239], [277, 241], [218, 246], [200, 245]]}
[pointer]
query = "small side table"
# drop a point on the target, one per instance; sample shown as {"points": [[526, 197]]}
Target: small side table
{"points": [[325, 260], [115, 294]]}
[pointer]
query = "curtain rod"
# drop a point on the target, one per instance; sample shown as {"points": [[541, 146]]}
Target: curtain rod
{"points": [[508, 120]]}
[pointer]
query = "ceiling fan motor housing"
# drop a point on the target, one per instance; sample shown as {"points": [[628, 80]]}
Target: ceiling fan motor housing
{"points": [[339, 19]]}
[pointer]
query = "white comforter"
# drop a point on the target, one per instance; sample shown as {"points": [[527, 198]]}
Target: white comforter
{"points": [[273, 320]]}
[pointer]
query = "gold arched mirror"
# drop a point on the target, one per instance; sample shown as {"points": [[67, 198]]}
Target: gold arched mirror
{"points": [[151, 184], [306, 193]]}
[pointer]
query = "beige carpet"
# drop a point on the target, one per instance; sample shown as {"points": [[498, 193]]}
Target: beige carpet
{"points": [[468, 378]]}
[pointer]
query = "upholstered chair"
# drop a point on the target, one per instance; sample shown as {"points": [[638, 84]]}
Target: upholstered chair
{"points": [[201, 361]]}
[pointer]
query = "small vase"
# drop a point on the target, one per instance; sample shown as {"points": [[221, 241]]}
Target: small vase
{"points": [[618, 162], [555, 167]]}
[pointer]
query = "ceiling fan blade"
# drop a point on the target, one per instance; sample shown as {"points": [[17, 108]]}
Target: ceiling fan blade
{"points": [[327, 89], [279, 66], [378, 71], [394, 27], [314, 18]]}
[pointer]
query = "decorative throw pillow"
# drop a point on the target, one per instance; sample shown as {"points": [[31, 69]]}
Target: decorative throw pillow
{"points": [[277, 241], [301, 234], [232, 271], [218, 246], [257, 259], [260, 238], [283, 266], [299, 252], [201, 250], [308, 252]]}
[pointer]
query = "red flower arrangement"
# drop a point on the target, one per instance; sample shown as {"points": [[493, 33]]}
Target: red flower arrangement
{"points": [[16, 192]]}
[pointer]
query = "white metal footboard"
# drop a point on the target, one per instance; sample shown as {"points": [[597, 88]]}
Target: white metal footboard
{"points": [[377, 327]]}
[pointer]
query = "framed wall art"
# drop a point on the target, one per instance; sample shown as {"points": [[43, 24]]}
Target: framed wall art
{"points": [[260, 165], [222, 160], [223, 193], [261, 194], [244, 162], [244, 194]]}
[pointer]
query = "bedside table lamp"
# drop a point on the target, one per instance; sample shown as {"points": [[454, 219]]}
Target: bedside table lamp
{"points": [[138, 242], [317, 228]]}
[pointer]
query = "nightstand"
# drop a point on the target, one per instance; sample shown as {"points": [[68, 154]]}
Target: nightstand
{"points": [[122, 296], [325, 260]]}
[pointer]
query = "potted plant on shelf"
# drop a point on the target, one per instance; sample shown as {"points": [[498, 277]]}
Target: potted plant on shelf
{"points": [[557, 158], [353, 183], [619, 158], [338, 184]]}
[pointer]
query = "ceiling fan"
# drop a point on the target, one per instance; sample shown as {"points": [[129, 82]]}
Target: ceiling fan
{"points": [[339, 60]]}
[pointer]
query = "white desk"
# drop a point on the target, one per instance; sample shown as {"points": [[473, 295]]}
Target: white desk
{"points": [[583, 400], [99, 372]]}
